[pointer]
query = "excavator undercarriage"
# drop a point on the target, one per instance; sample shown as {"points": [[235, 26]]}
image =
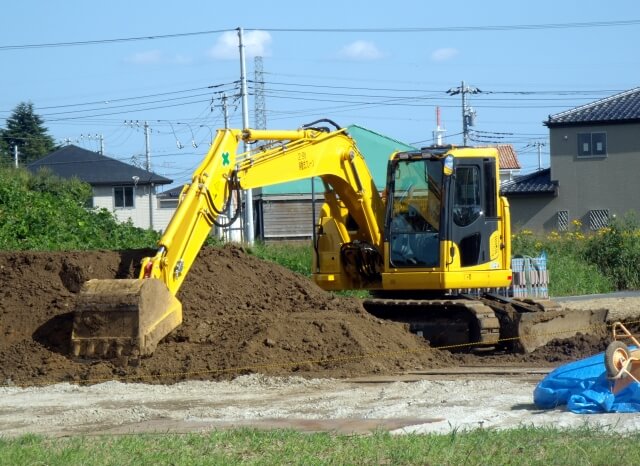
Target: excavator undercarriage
{"points": [[464, 322]]}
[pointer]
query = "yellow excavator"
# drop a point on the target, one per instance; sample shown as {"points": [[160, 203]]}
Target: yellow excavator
{"points": [[433, 249]]}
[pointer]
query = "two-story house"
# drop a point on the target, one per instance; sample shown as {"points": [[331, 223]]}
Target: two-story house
{"points": [[595, 157], [508, 162]]}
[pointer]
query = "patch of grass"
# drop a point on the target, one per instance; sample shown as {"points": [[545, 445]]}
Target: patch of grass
{"points": [[295, 256], [569, 274], [615, 251], [521, 446], [572, 276]]}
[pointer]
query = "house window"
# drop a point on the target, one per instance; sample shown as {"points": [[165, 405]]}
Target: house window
{"points": [[592, 144], [123, 197], [598, 218], [563, 220], [167, 203]]}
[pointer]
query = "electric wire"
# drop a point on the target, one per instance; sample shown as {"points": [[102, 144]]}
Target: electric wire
{"points": [[387, 30]]}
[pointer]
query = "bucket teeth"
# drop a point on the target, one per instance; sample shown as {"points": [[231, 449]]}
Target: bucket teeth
{"points": [[115, 318]]}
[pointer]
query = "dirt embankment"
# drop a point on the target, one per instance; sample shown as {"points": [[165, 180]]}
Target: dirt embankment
{"points": [[239, 312], [241, 315]]}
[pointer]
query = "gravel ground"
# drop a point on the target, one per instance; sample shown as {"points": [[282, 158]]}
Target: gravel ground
{"points": [[422, 404]]}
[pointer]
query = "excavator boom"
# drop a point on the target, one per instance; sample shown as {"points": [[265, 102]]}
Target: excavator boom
{"points": [[115, 318]]}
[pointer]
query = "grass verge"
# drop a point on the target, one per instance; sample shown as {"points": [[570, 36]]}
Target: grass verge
{"points": [[522, 446]]}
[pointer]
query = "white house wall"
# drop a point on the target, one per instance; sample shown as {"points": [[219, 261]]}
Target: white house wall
{"points": [[162, 216], [139, 213]]}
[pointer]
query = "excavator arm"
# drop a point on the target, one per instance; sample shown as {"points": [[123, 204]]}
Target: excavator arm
{"points": [[130, 317], [295, 155]]}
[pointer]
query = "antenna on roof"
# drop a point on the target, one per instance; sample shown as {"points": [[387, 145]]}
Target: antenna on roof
{"points": [[438, 134]]}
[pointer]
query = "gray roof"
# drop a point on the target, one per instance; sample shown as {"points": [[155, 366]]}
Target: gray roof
{"points": [[538, 182], [619, 108], [173, 193], [72, 161]]}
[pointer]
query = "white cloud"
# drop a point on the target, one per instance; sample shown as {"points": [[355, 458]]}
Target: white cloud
{"points": [[182, 60], [157, 57], [361, 50], [150, 57], [256, 43], [444, 54]]}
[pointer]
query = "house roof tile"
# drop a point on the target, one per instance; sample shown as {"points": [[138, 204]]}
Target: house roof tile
{"points": [[538, 182], [622, 107], [95, 169], [173, 193], [508, 158]]}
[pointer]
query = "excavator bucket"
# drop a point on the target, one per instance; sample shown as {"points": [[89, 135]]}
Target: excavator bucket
{"points": [[115, 318], [536, 329]]}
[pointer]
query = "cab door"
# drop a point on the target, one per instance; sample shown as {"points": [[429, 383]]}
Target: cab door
{"points": [[473, 206]]}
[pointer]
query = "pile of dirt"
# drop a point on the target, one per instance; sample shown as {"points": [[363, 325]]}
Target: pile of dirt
{"points": [[241, 315]]}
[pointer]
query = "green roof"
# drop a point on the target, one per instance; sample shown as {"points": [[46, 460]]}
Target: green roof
{"points": [[376, 149]]}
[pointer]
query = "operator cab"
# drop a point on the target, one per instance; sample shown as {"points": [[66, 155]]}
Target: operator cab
{"points": [[435, 197]]}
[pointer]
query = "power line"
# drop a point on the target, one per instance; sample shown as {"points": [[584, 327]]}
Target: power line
{"points": [[110, 107], [275, 92], [513, 27], [110, 41], [127, 111], [402, 30], [439, 91], [121, 99]]}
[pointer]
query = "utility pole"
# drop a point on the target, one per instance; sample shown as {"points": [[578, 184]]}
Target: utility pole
{"points": [[539, 145], [468, 113], [225, 113], [90, 137], [147, 146], [225, 110], [147, 152], [99, 137], [248, 198]]}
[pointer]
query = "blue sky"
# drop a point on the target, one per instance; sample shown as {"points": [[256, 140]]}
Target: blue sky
{"points": [[377, 64]]}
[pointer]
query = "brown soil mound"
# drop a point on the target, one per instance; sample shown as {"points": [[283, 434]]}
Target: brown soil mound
{"points": [[241, 315]]}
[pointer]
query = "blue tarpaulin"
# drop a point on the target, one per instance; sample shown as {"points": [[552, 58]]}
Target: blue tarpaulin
{"points": [[583, 386]]}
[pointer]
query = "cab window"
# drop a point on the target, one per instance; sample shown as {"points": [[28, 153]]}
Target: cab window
{"points": [[467, 201]]}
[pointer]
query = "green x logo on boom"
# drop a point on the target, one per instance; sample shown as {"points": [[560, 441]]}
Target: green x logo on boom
{"points": [[225, 159]]}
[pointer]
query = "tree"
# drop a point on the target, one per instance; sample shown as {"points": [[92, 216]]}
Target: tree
{"points": [[4, 151], [26, 130]]}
